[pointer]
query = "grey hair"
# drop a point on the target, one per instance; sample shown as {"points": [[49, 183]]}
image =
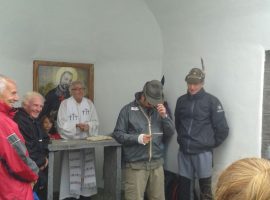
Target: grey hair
{"points": [[3, 82], [29, 96], [73, 83]]}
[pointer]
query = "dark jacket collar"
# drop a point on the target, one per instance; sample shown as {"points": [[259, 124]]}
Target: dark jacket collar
{"points": [[198, 95], [22, 112]]}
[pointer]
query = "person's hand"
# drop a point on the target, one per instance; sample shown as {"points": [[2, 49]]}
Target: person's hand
{"points": [[33, 183], [161, 110], [83, 127], [45, 165], [146, 138], [79, 126]]}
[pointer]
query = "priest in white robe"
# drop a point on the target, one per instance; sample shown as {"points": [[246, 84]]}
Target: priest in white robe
{"points": [[77, 119]]}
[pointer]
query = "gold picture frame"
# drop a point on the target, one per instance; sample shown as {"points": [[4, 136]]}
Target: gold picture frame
{"points": [[47, 74]]}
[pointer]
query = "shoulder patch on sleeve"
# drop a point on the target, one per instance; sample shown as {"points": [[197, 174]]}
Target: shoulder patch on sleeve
{"points": [[13, 138], [15, 141], [219, 108]]}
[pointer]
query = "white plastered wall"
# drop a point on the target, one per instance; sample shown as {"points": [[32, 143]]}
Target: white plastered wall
{"points": [[132, 41], [231, 36], [121, 38]]}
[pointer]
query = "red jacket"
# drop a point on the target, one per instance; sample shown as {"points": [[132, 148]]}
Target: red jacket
{"points": [[14, 161]]}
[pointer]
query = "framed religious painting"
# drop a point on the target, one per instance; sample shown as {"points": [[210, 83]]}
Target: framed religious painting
{"points": [[48, 75], [52, 80]]}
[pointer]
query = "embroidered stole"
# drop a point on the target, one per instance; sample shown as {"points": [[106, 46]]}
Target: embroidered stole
{"points": [[81, 162], [82, 171]]}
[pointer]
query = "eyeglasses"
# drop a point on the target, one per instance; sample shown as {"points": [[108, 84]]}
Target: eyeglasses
{"points": [[78, 89]]}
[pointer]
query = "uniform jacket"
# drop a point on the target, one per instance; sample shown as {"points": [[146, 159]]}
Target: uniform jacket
{"points": [[131, 123], [200, 122], [15, 161]]}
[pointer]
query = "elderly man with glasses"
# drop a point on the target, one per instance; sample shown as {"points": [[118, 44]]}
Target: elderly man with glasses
{"points": [[77, 119]]}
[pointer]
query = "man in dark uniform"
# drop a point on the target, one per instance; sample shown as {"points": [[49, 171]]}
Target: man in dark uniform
{"points": [[201, 126]]}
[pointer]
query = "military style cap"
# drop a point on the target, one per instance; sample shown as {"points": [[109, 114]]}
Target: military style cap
{"points": [[195, 76]]}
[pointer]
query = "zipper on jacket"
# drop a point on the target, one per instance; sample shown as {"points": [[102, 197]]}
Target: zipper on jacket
{"points": [[190, 125], [149, 132]]}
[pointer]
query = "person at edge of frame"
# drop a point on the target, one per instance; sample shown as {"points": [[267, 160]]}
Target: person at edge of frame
{"points": [[18, 171]]}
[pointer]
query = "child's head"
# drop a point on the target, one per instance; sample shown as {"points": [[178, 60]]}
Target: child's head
{"points": [[46, 123], [247, 179]]}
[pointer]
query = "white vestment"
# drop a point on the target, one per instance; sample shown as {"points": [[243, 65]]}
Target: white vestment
{"points": [[78, 166]]}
